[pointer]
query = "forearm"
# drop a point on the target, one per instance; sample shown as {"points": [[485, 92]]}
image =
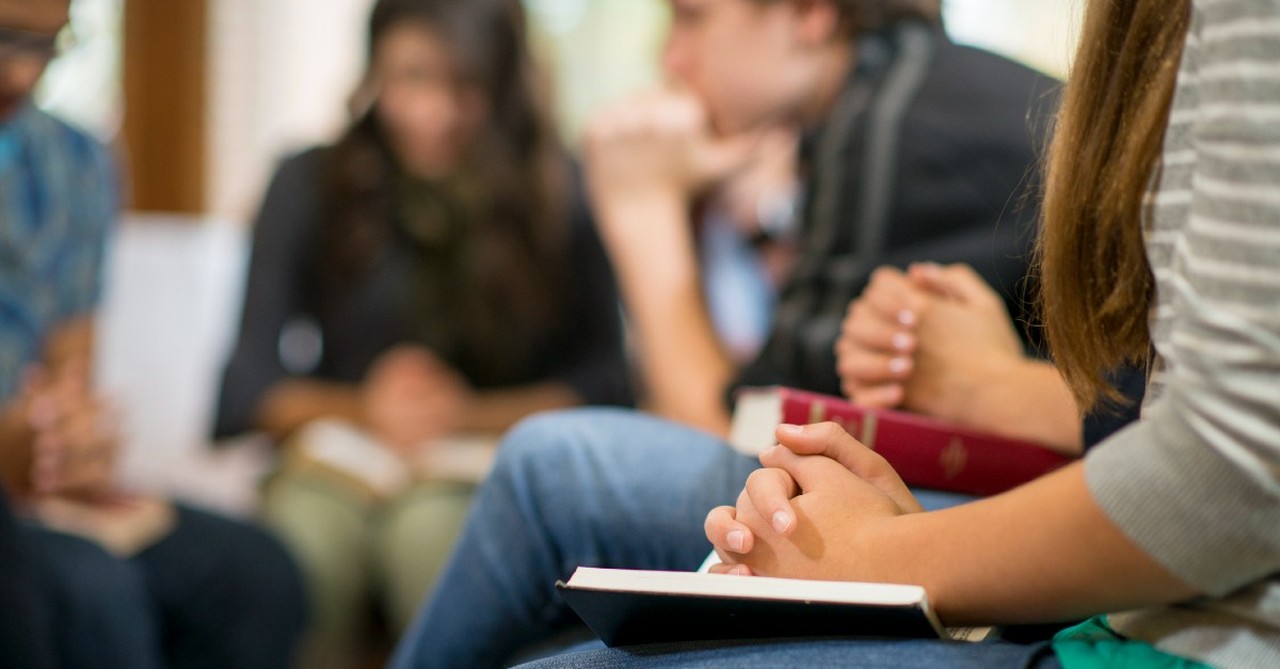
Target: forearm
{"points": [[685, 371], [1042, 553], [1029, 401], [290, 404], [70, 343], [683, 365], [494, 411]]}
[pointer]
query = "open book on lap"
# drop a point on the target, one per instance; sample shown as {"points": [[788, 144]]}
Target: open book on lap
{"points": [[347, 455]]}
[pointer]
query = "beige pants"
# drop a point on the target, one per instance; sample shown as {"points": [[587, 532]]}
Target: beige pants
{"points": [[357, 553]]}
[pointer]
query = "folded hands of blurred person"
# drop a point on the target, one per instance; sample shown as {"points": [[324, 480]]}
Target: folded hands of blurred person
{"points": [[72, 444], [68, 435], [920, 339], [646, 159], [939, 341], [411, 397], [815, 511]]}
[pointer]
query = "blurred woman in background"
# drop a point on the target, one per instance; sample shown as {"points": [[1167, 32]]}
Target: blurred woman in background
{"points": [[433, 273]]}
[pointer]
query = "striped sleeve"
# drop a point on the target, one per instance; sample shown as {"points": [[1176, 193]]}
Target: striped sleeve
{"points": [[1197, 484]]}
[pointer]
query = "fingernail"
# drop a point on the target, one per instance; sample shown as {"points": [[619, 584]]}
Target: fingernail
{"points": [[736, 540], [902, 341], [899, 365], [739, 571], [907, 317], [781, 521], [791, 430]]}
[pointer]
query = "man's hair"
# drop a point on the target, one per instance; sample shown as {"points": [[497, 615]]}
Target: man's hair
{"points": [[864, 16], [861, 16]]}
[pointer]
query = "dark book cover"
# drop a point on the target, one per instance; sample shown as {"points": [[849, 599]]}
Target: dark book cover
{"points": [[626, 613]]}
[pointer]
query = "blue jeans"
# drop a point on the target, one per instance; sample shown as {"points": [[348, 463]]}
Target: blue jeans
{"points": [[93, 606], [212, 593], [227, 593], [882, 654], [26, 638], [591, 487]]}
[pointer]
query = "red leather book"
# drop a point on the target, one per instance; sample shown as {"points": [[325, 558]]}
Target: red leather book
{"points": [[926, 452]]}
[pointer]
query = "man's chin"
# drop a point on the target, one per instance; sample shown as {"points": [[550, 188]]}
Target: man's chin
{"points": [[728, 125]]}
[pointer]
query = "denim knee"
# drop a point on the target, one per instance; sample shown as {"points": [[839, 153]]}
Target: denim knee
{"points": [[543, 441]]}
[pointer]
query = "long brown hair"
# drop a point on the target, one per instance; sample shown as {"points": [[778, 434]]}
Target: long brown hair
{"points": [[1096, 283], [512, 189]]}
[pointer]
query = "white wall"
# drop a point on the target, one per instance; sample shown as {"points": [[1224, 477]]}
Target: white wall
{"points": [[1041, 33], [280, 73], [84, 85]]}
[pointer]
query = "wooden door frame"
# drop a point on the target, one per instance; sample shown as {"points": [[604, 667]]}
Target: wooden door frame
{"points": [[165, 96]]}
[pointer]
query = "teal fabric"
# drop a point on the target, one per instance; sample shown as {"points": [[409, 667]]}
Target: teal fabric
{"points": [[1093, 645]]}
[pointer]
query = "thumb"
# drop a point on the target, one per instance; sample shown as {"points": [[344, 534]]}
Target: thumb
{"points": [[816, 474], [808, 471], [959, 282], [830, 440], [833, 442]]}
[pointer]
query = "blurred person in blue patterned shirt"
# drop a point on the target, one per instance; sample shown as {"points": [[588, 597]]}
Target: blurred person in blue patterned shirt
{"points": [[58, 199], [119, 580]]}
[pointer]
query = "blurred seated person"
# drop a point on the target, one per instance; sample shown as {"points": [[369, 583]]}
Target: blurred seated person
{"points": [[121, 580], [432, 276], [913, 148]]}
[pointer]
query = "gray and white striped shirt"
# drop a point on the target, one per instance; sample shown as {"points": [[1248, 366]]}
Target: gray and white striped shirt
{"points": [[1197, 482]]}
